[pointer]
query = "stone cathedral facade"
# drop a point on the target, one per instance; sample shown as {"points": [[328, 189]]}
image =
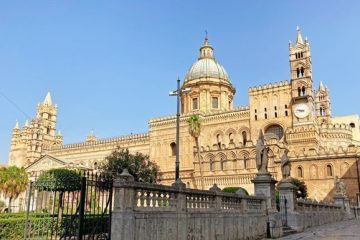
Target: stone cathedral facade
{"points": [[293, 114]]}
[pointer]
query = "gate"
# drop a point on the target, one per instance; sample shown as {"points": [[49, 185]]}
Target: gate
{"points": [[283, 210], [81, 212]]}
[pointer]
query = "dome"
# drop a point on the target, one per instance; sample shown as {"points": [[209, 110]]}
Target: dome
{"points": [[206, 66]]}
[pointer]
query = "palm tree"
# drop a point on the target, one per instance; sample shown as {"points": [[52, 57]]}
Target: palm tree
{"points": [[13, 181], [195, 131]]}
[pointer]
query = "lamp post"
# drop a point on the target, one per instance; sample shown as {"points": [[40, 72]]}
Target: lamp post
{"points": [[177, 93]]}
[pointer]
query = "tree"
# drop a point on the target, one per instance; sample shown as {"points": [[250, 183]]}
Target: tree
{"points": [[59, 180], [13, 181], [195, 131], [302, 191], [137, 164]]}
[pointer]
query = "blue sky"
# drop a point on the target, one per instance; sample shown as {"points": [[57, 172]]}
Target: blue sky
{"points": [[110, 64]]}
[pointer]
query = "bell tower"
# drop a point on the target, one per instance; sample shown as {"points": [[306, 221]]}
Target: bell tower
{"points": [[301, 80], [47, 114]]}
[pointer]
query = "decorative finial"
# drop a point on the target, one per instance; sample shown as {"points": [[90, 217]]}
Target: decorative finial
{"points": [[206, 34], [26, 123], [16, 124], [297, 28]]}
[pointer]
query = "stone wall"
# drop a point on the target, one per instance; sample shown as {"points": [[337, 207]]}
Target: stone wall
{"points": [[311, 213], [144, 211]]}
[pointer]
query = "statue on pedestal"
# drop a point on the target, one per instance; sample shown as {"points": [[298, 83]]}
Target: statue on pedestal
{"points": [[261, 154], [285, 165], [340, 187]]}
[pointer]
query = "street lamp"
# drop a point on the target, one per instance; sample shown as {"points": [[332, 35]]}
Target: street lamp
{"points": [[177, 93]]}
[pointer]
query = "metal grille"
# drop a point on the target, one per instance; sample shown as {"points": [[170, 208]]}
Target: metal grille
{"points": [[283, 210], [84, 213]]}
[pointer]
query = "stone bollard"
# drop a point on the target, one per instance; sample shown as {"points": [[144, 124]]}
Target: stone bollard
{"points": [[122, 219]]}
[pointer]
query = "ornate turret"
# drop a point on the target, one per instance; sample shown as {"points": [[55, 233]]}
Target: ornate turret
{"points": [[323, 104], [211, 87]]}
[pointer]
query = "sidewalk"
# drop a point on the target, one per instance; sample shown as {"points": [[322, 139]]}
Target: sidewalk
{"points": [[347, 230]]}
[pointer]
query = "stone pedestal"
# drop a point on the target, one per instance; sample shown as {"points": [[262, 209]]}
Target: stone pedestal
{"points": [[288, 191], [264, 185], [344, 202]]}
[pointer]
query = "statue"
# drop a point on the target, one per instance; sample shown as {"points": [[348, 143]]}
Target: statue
{"points": [[285, 165], [340, 187], [261, 154]]}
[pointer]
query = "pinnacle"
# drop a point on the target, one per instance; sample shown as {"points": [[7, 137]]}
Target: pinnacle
{"points": [[299, 38], [48, 100]]}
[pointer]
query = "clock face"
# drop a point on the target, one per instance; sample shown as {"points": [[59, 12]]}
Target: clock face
{"points": [[301, 110]]}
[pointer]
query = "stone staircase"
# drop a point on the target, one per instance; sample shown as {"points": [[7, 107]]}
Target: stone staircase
{"points": [[288, 231]]}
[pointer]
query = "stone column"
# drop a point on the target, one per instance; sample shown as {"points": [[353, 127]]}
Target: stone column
{"points": [[288, 190], [122, 219], [264, 185]]}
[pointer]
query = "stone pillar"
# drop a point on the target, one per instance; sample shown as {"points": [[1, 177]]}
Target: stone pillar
{"points": [[264, 185], [344, 202], [122, 217], [288, 190]]}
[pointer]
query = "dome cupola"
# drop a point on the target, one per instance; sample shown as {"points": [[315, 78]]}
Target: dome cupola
{"points": [[212, 90], [206, 66]]}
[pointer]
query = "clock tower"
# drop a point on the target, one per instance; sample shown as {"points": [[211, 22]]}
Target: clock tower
{"points": [[303, 107]]}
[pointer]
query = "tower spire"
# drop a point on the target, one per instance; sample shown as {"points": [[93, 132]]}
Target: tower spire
{"points": [[299, 38], [48, 100]]}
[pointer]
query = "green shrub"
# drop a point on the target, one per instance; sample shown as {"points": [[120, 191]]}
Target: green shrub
{"points": [[234, 190]]}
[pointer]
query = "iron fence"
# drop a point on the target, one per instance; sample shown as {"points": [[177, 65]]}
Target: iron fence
{"points": [[79, 212]]}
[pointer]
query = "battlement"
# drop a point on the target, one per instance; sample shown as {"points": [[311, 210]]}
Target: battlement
{"points": [[326, 153], [269, 86], [121, 139], [239, 112]]}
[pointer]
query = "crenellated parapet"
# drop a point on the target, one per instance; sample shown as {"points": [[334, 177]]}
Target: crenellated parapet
{"points": [[303, 134], [129, 139], [239, 113], [325, 153], [270, 87]]}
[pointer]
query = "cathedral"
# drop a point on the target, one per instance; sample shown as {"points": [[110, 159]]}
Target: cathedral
{"points": [[294, 115]]}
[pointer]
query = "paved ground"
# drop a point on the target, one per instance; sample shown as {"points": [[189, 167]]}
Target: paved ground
{"points": [[347, 230]]}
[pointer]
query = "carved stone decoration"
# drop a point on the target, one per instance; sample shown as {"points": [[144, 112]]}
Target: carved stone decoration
{"points": [[285, 165], [340, 187], [261, 154]]}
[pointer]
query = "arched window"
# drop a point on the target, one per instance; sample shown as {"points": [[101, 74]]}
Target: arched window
{"points": [[218, 140], [231, 138], [322, 111], [303, 91], [244, 138], [222, 164], [329, 170], [299, 91], [173, 149], [211, 164], [297, 72], [195, 103], [48, 130], [246, 162], [301, 55], [265, 116], [302, 72], [274, 131], [276, 115], [299, 172]]}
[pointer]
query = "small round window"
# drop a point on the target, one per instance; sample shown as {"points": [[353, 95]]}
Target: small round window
{"points": [[352, 125]]}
